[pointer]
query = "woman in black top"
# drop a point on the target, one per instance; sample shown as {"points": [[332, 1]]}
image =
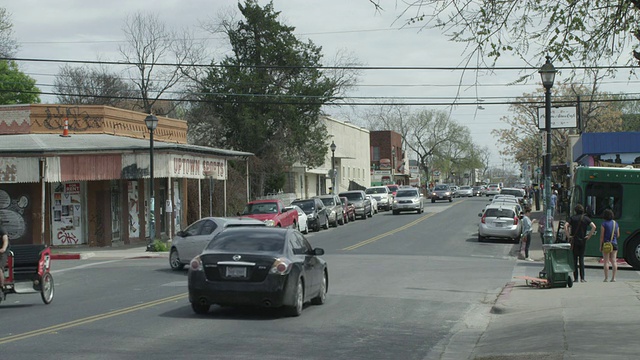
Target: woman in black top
{"points": [[576, 231]]}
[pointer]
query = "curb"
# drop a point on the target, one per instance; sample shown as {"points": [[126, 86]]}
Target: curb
{"points": [[69, 256]]}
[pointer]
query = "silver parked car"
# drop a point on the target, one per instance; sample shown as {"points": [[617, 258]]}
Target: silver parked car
{"points": [[500, 220], [334, 209], [408, 199], [190, 242]]}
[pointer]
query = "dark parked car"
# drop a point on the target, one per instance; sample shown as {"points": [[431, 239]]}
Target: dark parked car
{"points": [[349, 209], [317, 216], [359, 199], [264, 267]]}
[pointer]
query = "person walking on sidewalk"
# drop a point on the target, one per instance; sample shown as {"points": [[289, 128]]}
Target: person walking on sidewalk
{"points": [[609, 232], [554, 202], [576, 231], [525, 238]]}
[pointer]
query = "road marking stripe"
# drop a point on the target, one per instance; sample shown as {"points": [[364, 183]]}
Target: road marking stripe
{"points": [[376, 238], [89, 319]]}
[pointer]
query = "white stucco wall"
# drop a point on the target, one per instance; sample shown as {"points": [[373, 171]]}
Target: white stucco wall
{"points": [[352, 161], [353, 152]]}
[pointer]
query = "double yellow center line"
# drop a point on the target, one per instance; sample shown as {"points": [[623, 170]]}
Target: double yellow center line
{"points": [[90, 319], [376, 238]]}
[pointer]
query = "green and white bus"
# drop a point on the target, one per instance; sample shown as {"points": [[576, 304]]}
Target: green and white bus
{"points": [[615, 188]]}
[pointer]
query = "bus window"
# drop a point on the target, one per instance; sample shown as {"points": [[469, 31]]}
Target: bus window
{"points": [[601, 196], [576, 198]]}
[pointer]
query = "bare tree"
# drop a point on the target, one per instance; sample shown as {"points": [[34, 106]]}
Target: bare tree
{"points": [[87, 86], [161, 57], [8, 45]]}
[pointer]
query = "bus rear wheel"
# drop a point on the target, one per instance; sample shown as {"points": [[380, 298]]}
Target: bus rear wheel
{"points": [[632, 252]]}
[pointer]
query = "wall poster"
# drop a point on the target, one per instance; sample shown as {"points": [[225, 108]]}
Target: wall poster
{"points": [[66, 223], [134, 210], [177, 207]]}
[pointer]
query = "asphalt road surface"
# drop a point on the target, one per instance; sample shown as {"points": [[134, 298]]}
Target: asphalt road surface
{"points": [[408, 286]]}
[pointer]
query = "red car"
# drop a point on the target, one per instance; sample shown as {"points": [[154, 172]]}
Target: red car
{"points": [[349, 210], [393, 188]]}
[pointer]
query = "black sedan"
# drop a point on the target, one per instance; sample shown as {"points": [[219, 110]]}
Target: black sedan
{"points": [[265, 267]]}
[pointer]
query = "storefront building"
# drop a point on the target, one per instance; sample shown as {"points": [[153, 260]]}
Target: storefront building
{"points": [[79, 175]]}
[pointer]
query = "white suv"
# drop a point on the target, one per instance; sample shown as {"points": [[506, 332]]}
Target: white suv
{"points": [[383, 196]]}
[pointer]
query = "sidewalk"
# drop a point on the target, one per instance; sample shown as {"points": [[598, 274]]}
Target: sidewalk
{"points": [[592, 320], [134, 251]]}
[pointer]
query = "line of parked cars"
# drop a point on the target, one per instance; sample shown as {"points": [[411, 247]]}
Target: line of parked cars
{"points": [[501, 218]]}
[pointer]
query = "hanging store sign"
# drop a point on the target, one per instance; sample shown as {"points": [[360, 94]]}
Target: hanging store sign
{"points": [[561, 117]]}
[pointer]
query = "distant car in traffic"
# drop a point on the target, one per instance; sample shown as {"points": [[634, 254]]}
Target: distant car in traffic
{"points": [[441, 192], [261, 267], [465, 191], [408, 199], [493, 189], [188, 243]]}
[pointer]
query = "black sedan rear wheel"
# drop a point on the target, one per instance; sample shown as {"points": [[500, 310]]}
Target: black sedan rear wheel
{"points": [[296, 309], [199, 308], [322, 294]]}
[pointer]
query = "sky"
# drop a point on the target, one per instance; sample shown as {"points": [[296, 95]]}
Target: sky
{"points": [[92, 30]]}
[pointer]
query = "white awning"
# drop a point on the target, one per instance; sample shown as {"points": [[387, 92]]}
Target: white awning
{"points": [[19, 170]]}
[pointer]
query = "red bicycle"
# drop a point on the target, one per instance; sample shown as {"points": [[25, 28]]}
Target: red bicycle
{"points": [[27, 272]]}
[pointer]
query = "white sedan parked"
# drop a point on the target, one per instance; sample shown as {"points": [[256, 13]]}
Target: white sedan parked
{"points": [[303, 226]]}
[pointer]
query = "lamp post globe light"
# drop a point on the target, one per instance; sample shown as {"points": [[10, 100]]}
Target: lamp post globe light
{"points": [[333, 167], [152, 122], [548, 74]]}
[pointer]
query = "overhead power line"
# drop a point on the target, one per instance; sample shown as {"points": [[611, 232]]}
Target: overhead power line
{"points": [[299, 99], [448, 68]]}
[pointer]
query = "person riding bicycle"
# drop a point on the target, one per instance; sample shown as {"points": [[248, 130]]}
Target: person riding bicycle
{"points": [[4, 249]]}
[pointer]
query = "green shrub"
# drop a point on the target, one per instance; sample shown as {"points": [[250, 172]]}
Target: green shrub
{"points": [[160, 246]]}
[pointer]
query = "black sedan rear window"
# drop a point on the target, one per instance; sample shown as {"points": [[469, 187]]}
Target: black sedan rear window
{"points": [[247, 242]]}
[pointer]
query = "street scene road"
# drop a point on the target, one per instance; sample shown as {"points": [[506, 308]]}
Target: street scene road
{"points": [[409, 286]]}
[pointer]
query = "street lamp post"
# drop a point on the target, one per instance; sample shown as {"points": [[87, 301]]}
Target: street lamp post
{"points": [[152, 122], [333, 167], [548, 74]]}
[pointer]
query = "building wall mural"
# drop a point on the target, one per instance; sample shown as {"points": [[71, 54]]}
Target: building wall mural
{"points": [[15, 212]]}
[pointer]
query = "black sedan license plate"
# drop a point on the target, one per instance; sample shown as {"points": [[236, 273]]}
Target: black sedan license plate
{"points": [[236, 271]]}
